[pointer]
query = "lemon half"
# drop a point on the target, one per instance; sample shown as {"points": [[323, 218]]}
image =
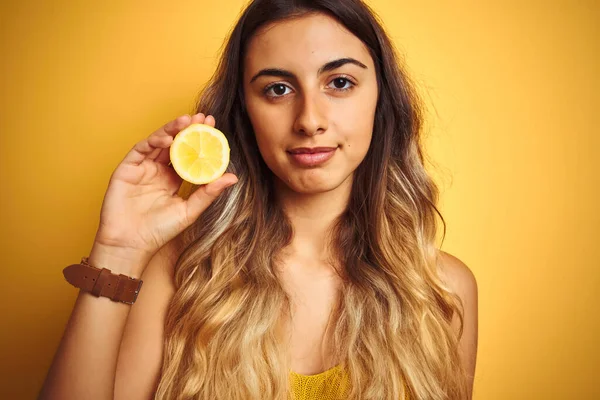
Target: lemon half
{"points": [[200, 154]]}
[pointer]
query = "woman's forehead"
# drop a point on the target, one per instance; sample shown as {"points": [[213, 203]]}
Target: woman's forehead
{"points": [[304, 43]]}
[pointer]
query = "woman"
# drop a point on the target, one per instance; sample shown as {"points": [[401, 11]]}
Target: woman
{"points": [[310, 266]]}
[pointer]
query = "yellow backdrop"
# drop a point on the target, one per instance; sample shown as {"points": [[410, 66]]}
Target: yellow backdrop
{"points": [[512, 89]]}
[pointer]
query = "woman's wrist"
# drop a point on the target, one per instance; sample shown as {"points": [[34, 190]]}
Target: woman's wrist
{"points": [[118, 260]]}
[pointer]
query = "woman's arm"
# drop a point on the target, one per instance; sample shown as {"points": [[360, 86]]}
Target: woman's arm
{"points": [[141, 351], [85, 362], [141, 214], [114, 350], [462, 282]]}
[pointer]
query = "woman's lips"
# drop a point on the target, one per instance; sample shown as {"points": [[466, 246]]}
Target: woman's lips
{"points": [[310, 157]]}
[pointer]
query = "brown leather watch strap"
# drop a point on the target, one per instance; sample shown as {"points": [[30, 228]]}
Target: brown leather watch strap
{"points": [[101, 282]]}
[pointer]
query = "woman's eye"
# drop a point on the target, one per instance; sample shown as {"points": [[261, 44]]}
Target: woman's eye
{"points": [[341, 84], [277, 90]]}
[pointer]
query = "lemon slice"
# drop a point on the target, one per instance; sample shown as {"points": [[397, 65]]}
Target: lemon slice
{"points": [[200, 154]]}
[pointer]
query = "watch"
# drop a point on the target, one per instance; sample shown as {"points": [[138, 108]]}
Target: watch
{"points": [[102, 282]]}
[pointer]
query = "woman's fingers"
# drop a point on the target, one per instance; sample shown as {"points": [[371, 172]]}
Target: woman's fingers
{"points": [[156, 146], [163, 156], [198, 118], [206, 194], [162, 138], [140, 151], [173, 127], [162, 144], [210, 120]]}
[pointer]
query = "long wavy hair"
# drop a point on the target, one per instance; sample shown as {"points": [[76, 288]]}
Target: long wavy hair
{"points": [[391, 329]]}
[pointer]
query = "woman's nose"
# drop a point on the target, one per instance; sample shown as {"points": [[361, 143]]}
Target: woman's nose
{"points": [[311, 118]]}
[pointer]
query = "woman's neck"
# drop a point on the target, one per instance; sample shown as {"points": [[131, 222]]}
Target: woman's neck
{"points": [[312, 216]]}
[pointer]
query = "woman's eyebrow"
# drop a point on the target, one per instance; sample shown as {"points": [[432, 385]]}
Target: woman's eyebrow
{"points": [[280, 73], [331, 65], [335, 64]]}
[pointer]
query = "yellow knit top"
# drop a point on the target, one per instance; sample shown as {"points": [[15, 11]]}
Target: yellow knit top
{"points": [[328, 385]]}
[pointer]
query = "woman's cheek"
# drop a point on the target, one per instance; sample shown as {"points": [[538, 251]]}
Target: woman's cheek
{"points": [[359, 128], [357, 147]]}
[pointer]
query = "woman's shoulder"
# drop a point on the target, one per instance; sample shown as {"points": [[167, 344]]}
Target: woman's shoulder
{"points": [[457, 275]]}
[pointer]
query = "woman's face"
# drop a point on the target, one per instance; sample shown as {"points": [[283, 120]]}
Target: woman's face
{"points": [[311, 92]]}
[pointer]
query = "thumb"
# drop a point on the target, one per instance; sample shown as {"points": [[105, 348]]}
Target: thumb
{"points": [[206, 194]]}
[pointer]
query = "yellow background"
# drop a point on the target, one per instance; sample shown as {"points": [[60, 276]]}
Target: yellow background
{"points": [[512, 93]]}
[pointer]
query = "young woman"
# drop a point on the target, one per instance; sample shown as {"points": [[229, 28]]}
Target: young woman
{"points": [[310, 269]]}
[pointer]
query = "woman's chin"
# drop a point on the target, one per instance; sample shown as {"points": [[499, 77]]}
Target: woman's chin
{"points": [[312, 190], [312, 186]]}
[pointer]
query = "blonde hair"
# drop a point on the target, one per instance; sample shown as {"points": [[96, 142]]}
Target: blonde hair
{"points": [[391, 328]]}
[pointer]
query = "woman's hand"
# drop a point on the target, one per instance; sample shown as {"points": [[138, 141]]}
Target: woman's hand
{"points": [[141, 210]]}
